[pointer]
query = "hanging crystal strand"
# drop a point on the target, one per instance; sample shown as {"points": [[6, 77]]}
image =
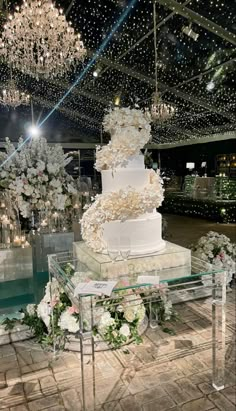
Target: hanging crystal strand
{"points": [[218, 329]]}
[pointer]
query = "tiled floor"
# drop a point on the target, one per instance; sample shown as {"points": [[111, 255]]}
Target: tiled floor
{"points": [[164, 373], [186, 230]]}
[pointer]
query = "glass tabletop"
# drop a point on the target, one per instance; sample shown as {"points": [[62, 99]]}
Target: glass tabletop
{"points": [[70, 271]]}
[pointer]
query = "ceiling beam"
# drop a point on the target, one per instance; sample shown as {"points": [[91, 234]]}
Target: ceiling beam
{"points": [[198, 140], [152, 146], [197, 18]]}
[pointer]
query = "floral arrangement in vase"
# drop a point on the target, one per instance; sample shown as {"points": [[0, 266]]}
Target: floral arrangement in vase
{"points": [[35, 176], [217, 250]]}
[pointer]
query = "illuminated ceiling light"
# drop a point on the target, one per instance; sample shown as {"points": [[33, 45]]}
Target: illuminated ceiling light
{"points": [[37, 40], [117, 100], [190, 33], [210, 86], [97, 71], [34, 131], [160, 111], [12, 97]]}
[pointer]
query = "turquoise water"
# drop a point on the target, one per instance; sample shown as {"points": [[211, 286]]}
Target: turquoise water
{"points": [[16, 294]]}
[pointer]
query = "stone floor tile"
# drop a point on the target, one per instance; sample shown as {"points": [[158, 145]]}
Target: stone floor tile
{"points": [[201, 404], [71, 400], [163, 404], [178, 396], [149, 395], [190, 388], [136, 385], [230, 394], [32, 390], [11, 396], [56, 408], [206, 388], [22, 407], [130, 404], [39, 356], [112, 406], [2, 380], [48, 385], [221, 402], [24, 358], [45, 402], [6, 366], [36, 374], [7, 350], [13, 377]]}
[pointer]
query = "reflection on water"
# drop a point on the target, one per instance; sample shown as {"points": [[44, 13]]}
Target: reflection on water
{"points": [[16, 294]]}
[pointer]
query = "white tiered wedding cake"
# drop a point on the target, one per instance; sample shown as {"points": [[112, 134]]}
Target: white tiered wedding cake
{"points": [[126, 209]]}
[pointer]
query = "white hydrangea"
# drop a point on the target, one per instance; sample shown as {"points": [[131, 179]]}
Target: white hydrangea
{"points": [[31, 309], [69, 322], [125, 330], [105, 321], [43, 312]]}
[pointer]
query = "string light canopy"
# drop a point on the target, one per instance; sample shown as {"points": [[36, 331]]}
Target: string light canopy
{"points": [[160, 111], [38, 40], [12, 97]]}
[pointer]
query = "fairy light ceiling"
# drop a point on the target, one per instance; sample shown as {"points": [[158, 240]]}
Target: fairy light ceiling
{"points": [[196, 76]]}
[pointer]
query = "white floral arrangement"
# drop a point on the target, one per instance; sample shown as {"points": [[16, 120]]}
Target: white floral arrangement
{"points": [[130, 130], [35, 176], [217, 250], [117, 320], [120, 205]]}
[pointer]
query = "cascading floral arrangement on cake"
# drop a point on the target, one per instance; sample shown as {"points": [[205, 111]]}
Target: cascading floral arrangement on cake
{"points": [[130, 193]]}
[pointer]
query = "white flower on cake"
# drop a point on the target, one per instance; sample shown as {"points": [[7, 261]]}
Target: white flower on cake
{"points": [[119, 205], [123, 122]]}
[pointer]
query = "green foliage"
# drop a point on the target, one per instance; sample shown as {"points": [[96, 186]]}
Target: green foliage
{"points": [[10, 323]]}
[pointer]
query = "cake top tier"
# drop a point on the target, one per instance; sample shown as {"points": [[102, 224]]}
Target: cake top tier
{"points": [[130, 130]]}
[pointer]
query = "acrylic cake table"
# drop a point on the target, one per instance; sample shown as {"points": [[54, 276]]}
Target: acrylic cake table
{"points": [[197, 275]]}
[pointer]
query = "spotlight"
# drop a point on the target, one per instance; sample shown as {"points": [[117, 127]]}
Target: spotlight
{"points": [[34, 131], [97, 71], [210, 86], [190, 33]]}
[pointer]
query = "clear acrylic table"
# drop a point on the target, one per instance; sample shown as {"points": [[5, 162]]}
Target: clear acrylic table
{"points": [[199, 276]]}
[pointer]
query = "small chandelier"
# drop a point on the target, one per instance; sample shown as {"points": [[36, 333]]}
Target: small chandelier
{"points": [[37, 40], [11, 96], [161, 111]]}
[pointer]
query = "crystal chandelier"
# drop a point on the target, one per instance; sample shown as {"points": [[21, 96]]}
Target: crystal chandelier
{"points": [[11, 96], [37, 40], [160, 111]]}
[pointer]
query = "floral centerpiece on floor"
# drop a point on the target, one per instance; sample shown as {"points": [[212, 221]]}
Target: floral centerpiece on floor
{"points": [[35, 176], [217, 250], [116, 320]]}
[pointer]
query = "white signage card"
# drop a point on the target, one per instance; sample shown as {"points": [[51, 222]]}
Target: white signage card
{"points": [[148, 279], [95, 287]]}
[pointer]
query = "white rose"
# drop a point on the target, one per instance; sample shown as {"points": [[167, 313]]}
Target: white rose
{"points": [[125, 330]]}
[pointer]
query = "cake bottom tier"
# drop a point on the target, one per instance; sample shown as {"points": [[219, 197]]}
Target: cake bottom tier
{"points": [[142, 235]]}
